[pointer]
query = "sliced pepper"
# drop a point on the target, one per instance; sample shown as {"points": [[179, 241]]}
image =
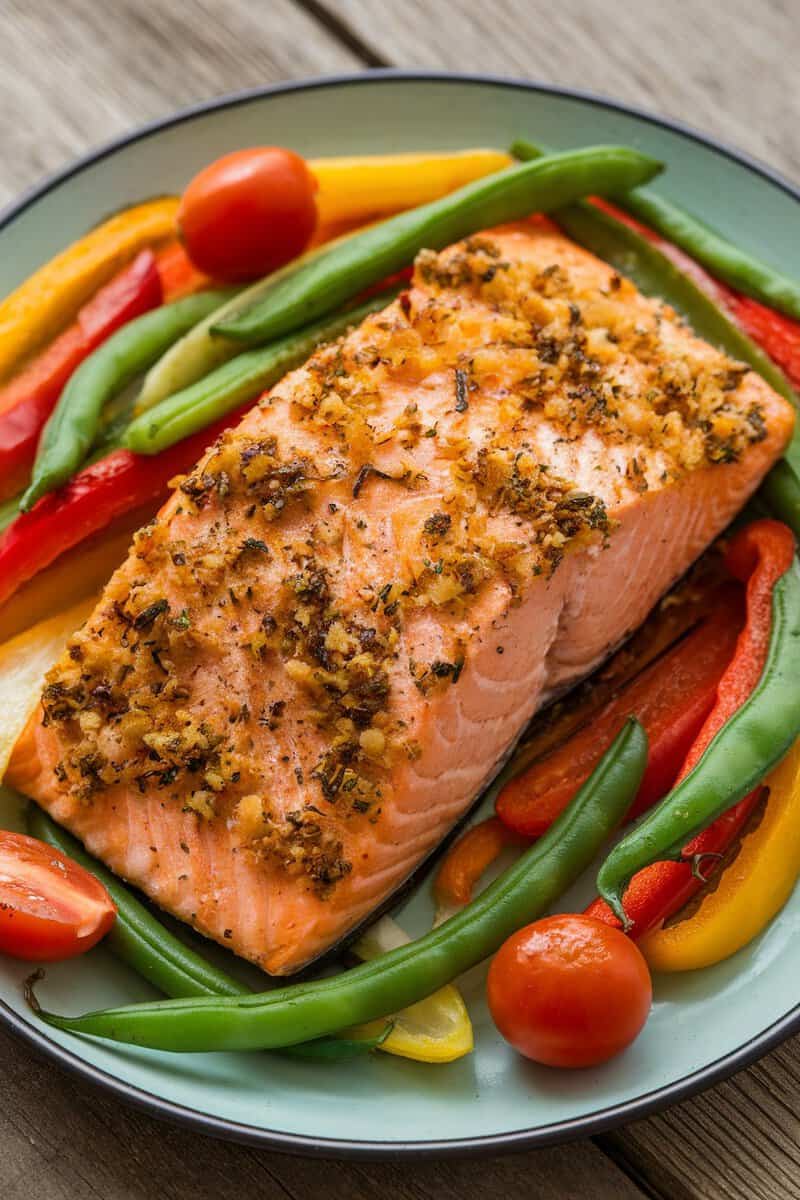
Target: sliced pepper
{"points": [[354, 188], [469, 857], [672, 698], [28, 400], [759, 553], [93, 498], [748, 891], [49, 299], [179, 276], [78, 573]]}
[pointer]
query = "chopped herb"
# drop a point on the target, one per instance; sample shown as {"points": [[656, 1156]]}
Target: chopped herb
{"points": [[462, 404]]}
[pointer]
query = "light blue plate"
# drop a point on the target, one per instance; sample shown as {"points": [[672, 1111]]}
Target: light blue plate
{"points": [[704, 1025]]}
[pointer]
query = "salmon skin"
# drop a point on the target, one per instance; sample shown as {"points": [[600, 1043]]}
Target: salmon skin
{"points": [[322, 648]]}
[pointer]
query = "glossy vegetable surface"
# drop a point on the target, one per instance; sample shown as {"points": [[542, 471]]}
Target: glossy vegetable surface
{"points": [[50, 908], [751, 888], [199, 352], [725, 260], [29, 399], [409, 973], [569, 991], [747, 733], [330, 279], [116, 484], [49, 299], [72, 429], [248, 212], [357, 187], [672, 698]]}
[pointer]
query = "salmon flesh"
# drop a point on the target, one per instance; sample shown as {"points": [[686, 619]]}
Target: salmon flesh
{"points": [[317, 655]]}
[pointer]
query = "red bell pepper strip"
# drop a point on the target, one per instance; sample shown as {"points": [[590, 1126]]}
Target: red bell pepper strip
{"points": [[92, 499], [672, 698], [776, 334], [760, 553], [27, 401], [178, 274]]}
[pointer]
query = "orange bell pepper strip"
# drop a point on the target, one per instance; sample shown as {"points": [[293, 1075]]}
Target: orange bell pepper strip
{"points": [[92, 499], [760, 553], [748, 891], [469, 857], [672, 698], [28, 400], [49, 299]]}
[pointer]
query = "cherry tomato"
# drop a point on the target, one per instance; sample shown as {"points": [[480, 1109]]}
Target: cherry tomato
{"points": [[569, 991], [248, 213], [50, 907]]}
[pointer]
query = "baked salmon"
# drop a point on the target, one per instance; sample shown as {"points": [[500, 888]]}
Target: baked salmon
{"points": [[322, 648]]}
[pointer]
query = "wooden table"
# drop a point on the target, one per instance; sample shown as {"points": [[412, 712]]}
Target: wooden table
{"points": [[75, 72]]}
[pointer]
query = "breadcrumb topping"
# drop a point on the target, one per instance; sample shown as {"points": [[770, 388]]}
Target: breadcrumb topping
{"points": [[437, 407]]}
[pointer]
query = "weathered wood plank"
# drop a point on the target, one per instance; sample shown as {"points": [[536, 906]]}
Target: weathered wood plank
{"points": [[73, 73], [729, 69], [683, 59], [77, 73], [61, 1140], [738, 1141]]}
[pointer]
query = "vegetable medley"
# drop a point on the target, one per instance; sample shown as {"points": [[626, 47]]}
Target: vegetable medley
{"points": [[124, 357]]}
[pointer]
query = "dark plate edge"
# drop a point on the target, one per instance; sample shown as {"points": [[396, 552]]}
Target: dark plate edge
{"points": [[523, 1139]]}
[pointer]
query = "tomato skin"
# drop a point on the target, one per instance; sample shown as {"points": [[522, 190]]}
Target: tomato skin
{"points": [[248, 213], [50, 907], [569, 991]]}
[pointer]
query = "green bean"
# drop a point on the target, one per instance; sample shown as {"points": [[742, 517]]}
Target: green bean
{"points": [[139, 939], [655, 275], [747, 747], [322, 285], [199, 351], [722, 258], [734, 266], [73, 427], [337, 1049], [236, 381], [403, 976]]}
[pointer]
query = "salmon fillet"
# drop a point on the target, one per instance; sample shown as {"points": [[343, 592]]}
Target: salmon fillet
{"points": [[338, 625]]}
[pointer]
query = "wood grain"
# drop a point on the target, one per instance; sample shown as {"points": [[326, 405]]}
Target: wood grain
{"points": [[61, 1140], [74, 72], [728, 67]]}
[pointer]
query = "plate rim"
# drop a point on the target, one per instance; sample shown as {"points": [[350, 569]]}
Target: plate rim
{"points": [[515, 1140]]}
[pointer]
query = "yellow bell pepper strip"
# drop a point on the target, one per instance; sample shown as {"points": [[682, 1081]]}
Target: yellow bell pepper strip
{"points": [[50, 298], [434, 1030], [24, 662], [748, 893], [361, 186]]}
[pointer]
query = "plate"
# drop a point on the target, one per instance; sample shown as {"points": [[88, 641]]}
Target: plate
{"points": [[705, 1024]]}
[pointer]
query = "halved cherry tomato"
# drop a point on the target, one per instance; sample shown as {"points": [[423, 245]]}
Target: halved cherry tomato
{"points": [[50, 907], [248, 213], [565, 993]]}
